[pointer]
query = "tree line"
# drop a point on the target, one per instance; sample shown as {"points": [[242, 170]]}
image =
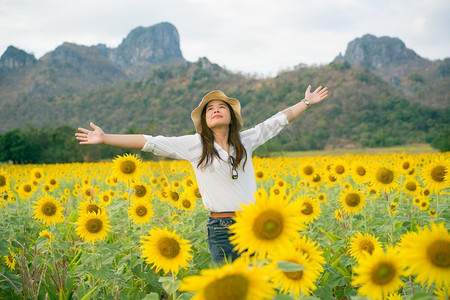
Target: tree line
{"points": [[52, 145]]}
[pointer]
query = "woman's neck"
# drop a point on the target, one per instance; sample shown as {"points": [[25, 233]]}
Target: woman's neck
{"points": [[221, 138]]}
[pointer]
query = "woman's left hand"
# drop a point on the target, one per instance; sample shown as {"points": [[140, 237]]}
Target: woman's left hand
{"points": [[318, 95]]}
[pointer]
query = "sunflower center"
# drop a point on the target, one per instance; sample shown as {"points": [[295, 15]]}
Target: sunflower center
{"points": [[197, 193], [94, 225], [352, 199], [105, 198], [316, 178], [48, 209], [438, 173], [360, 171], [384, 175], [141, 211], [340, 169], [168, 247], [366, 245], [439, 254], [186, 203], [383, 273], [294, 275], [52, 181], [426, 192], [37, 175], [321, 197], [234, 286], [406, 165], [140, 190], [27, 188], [276, 191], [2, 180], [307, 209], [268, 225], [174, 196], [127, 167], [411, 186], [93, 208], [259, 174], [308, 170]]}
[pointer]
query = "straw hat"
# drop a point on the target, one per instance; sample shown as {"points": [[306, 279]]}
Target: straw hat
{"points": [[215, 95]]}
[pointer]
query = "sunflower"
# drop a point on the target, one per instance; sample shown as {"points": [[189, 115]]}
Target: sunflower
{"points": [[231, 281], [296, 282], [26, 190], [105, 198], [260, 173], [88, 206], [127, 167], [140, 211], [187, 201], [49, 210], [338, 214], [310, 249], [358, 171], [379, 274], [46, 234], [352, 200], [411, 186], [4, 179], [265, 225], [321, 198], [424, 204], [362, 245], [383, 177], [432, 213], [307, 170], [37, 174], [141, 190], [427, 255], [309, 210], [340, 169], [166, 250], [436, 174], [88, 191], [93, 226], [10, 260]]}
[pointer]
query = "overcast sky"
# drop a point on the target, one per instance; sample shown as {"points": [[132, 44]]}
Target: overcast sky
{"points": [[252, 36]]}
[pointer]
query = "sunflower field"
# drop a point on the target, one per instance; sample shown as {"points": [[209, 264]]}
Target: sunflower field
{"points": [[322, 227]]}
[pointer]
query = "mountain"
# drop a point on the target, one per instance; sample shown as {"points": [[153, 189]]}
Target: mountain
{"points": [[381, 93], [72, 68], [390, 59]]}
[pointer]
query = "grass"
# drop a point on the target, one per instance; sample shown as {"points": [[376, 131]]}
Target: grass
{"points": [[410, 149]]}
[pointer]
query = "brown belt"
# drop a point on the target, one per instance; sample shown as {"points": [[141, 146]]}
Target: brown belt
{"points": [[228, 214]]}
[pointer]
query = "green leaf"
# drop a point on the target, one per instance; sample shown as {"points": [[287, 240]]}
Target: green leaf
{"points": [[151, 296], [286, 266]]}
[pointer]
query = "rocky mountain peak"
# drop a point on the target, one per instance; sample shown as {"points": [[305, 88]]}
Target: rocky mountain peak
{"points": [[14, 58], [376, 53], [145, 47]]}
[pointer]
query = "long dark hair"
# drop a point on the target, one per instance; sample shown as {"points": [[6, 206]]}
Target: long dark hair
{"points": [[234, 139]]}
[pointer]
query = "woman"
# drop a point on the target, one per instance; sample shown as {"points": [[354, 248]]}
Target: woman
{"points": [[219, 153]]}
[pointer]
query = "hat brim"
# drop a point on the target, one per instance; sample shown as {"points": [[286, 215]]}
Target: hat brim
{"points": [[215, 95]]}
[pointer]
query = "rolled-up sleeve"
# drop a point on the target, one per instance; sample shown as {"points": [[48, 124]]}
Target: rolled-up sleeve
{"points": [[181, 147], [264, 131]]}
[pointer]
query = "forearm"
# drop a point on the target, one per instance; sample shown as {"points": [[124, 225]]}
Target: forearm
{"points": [[294, 111], [132, 141]]}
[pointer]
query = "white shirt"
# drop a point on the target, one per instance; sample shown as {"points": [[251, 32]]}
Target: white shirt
{"points": [[219, 191]]}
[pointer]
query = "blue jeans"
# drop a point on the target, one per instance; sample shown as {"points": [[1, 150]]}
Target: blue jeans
{"points": [[218, 240]]}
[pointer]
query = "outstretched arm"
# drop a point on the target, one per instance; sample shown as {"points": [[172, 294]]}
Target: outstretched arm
{"points": [[97, 136], [315, 97]]}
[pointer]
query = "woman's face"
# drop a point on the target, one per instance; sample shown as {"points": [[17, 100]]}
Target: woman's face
{"points": [[217, 114]]}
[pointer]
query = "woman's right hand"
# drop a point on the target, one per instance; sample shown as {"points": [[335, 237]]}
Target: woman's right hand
{"points": [[90, 137]]}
